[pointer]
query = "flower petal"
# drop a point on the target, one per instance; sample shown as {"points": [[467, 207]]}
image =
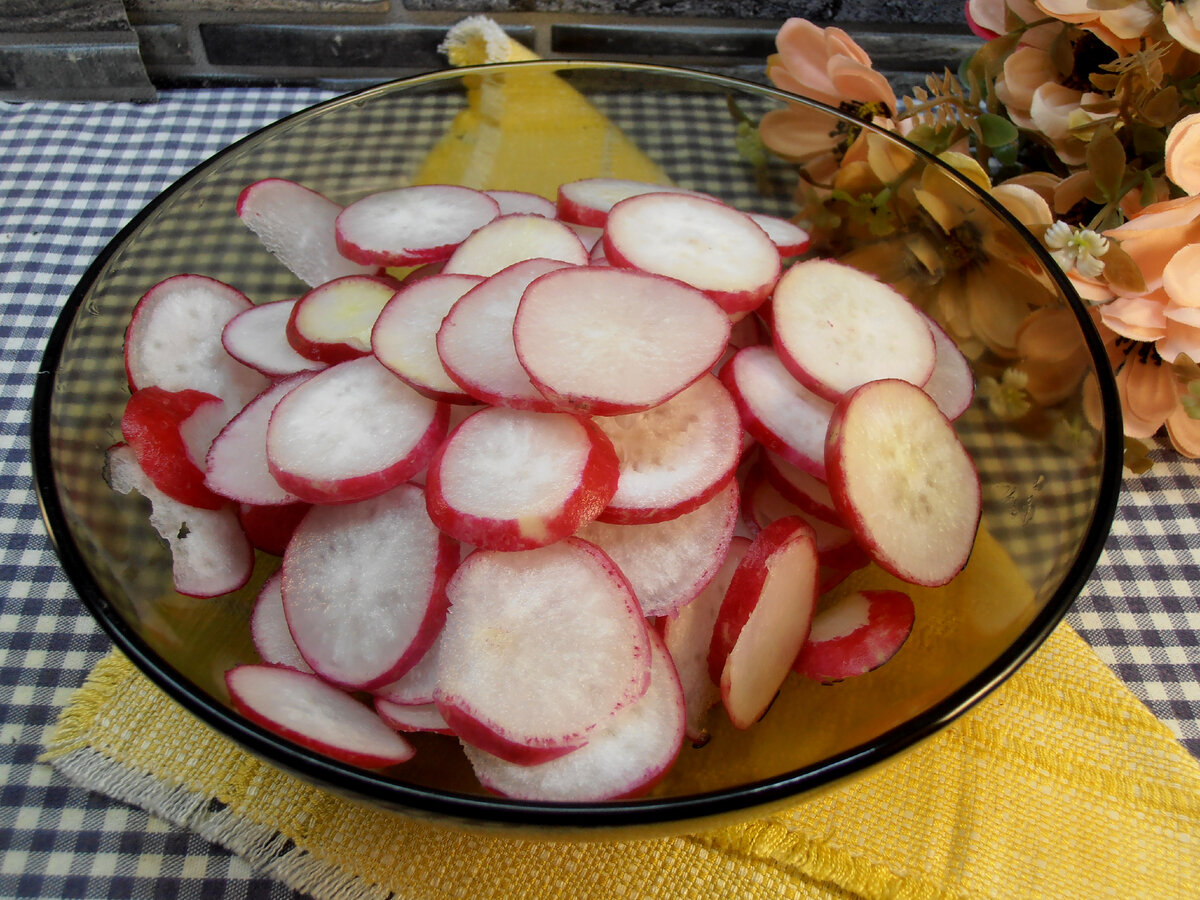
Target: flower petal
{"points": [[1184, 432], [1136, 318], [1181, 277], [1148, 396]]}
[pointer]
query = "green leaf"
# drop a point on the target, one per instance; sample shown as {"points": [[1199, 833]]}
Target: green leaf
{"points": [[1007, 154], [996, 131], [1106, 160]]}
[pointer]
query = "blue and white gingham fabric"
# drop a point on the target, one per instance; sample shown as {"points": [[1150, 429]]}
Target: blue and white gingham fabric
{"points": [[70, 176]]}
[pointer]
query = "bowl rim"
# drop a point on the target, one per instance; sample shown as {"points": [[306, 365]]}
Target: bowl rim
{"points": [[588, 817]]}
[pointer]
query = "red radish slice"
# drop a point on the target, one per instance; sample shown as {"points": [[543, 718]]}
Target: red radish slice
{"points": [[511, 202], [952, 383], [399, 717], [258, 338], [837, 327], [700, 241], [297, 225], [669, 563], [903, 481], [210, 555], [590, 237], [510, 479], [153, 426], [405, 335], [410, 226], [269, 628], [512, 239], [364, 587], [674, 457], [269, 528], [688, 636], [304, 709], [624, 756], [779, 412], [416, 686], [612, 341], [588, 201], [764, 619], [539, 648], [802, 488], [350, 432], [332, 323], [596, 255], [856, 635], [788, 237], [763, 504], [237, 465], [475, 340]]}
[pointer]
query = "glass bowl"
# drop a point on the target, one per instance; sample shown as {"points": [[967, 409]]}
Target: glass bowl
{"points": [[1044, 428]]}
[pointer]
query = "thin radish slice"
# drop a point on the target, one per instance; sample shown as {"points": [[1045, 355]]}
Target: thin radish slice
{"points": [[764, 619], [588, 201], [511, 202], [405, 335], [269, 628], [903, 481], [416, 686], [624, 757], [510, 479], [210, 555], [788, 237], [350, 432], [410, 226], [952, 382], [675, 456], [332, 323], [697, 240], [669, 563], [364, 587], [779, 412], [269, 528], [856, 635], [612, 341], [512, 239], [306, 710], [475, 340], [836, 545], [802, 488], [297, 225], [257, 338], [153, 426], [426, 717], [837, 327], [539, 648]]}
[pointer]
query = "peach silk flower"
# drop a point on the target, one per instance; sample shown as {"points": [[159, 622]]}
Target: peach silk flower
{"points": [[1121, 26], [1183, 153], [1183, 23], [989, 19]]}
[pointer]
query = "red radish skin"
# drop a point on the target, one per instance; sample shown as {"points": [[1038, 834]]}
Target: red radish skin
{"points": [[523, 202], [269, 628], [269, 528], [588, 201], [332, 323], [258, 338], [416, 686], [762, 504], [789, 238], [802, 488], [511, 239], [856, 635], [400, 717], [152, 425]]}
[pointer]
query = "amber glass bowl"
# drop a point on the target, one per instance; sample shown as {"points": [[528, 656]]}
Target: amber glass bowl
{"points": [[1044, 429]]}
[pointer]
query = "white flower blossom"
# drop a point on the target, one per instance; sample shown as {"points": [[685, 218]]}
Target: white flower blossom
{"points": [[1077, 248]]}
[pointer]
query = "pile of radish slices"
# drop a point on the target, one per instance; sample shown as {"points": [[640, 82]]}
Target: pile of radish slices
{"points": [[557, 491]]}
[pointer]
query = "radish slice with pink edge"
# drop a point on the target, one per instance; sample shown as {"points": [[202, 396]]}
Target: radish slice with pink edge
{"points": [[688, 636], [856, 634], [258, 338], [788, 237], [903, 481], [404, 337], [269, 528], [210, 554], [364, 587], [416, 686], [510, 479], [697, 240], [269, 628], [523, 202], [412, 225], [297, 225], [540, 647], [304, 709], [350, 432], [588, 201], [669, 563], [837, 327], [952, 382], [624, 757], [675, 456], [589, 235], [777, 410], [612, 341], [154, 426], [332, 323], [764, 619], [512, 239], [802, 488], [399, 717], [475, 339]]}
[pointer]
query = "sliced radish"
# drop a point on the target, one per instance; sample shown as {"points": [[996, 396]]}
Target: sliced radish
{"points": [[513, 238], [763, 504], [764, 619], [669, 563], [802, 488], [413, 225], [210, 554], [588, 201], [416, 686], [590, 237], [856, 635], [952, 382], [303, 708], [697, 240], [837, 327], [624, 756], [788, 237], [523, 202], [364, 587], [405, 335], [332, 323], [675, 456], [257, 338], [153, 426], [510, 479], [426, 717], [540, 647], [614, 341], [350, 432], [903, 481], [269, 628], [269, 528], [475, 340], [297, 225]]}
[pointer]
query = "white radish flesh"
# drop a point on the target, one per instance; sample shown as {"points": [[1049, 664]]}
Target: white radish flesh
{"points": [[803, 488], [416, 686], [512, 239], [523, 202], [788, 237], [952, 382], [269, 628], [400, 717], [332, 323], [588, 201], [856, 635], [257, 338]]}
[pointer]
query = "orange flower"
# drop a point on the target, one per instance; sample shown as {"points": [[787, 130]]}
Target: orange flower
{"points": [[1182, 21], [1183, 153], [990, 19], [1120, 26]]}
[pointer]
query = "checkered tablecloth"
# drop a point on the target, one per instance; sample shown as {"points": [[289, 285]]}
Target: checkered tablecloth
{"points": [[70, 176]]}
